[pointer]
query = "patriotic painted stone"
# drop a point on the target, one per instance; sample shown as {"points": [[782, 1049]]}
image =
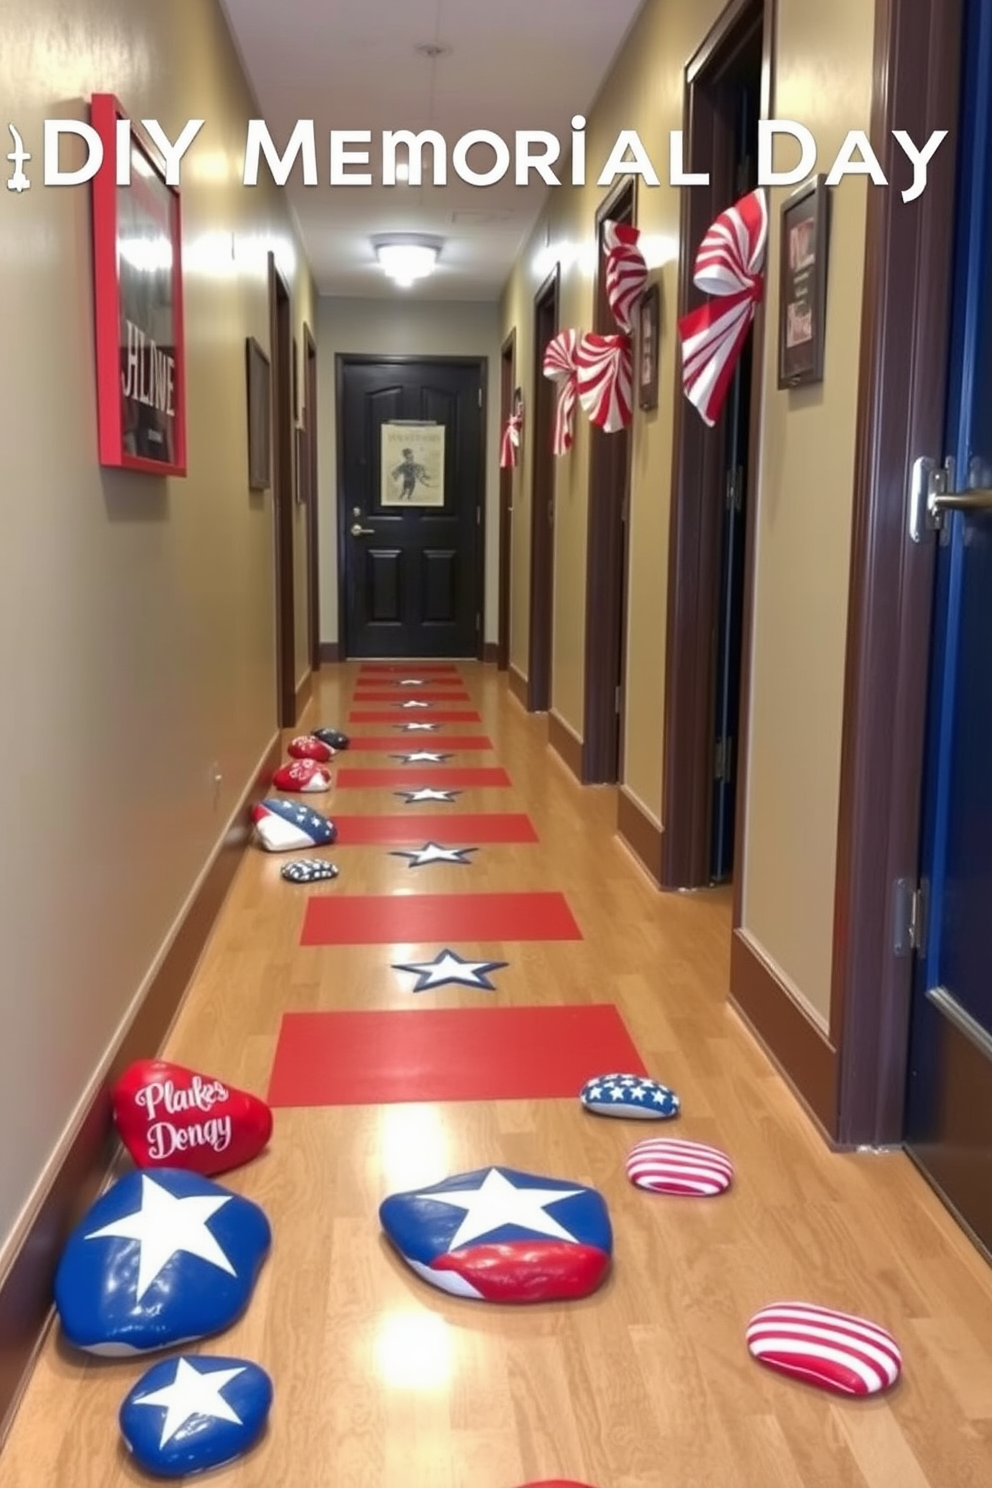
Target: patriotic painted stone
{"points": [[629, 1096], [334, 737], [189, 1415], [287, 826], [170, 1116], [674, 1167], [307, 747], [309, 870], [833, 1350], [301, 776], [161, 1259], [503, 1236]]}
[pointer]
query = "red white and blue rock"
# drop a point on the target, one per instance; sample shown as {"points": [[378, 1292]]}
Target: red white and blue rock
{"points": [[289, 826], [499, 1235], [835, 1351], [189, 1415], [173, 1117], [161, 1259], [630, 1096], [301, 776], [673, 1167], [308, 747]]}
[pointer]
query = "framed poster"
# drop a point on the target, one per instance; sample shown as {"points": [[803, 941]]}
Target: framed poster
{"points": [[647, 348], [803, 284], [302, 465], [412, 464], [137, 260], [258, 377]]}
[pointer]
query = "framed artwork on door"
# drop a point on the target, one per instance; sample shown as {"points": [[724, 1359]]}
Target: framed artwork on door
{"points": [[803, 284], [648, 317], [259, 417], [412, 465]]}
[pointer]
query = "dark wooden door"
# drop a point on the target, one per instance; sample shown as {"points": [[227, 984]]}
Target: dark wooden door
{"points": [[410, 504]]}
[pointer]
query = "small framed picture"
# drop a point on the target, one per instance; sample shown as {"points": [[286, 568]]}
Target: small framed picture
{"points": [[302, 464], [259, 417], [803, 284], [647, 348]]}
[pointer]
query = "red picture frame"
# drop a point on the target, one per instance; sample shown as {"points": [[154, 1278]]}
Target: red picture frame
{"points": [[138, 292]]}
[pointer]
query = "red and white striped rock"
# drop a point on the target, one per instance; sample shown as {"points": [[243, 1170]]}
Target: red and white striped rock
{"points": [[671, 1166], [833, 1350], [306, 747], [302, 776]]}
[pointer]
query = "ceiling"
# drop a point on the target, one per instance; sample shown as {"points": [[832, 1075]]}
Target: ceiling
{"points": [[354, 64]]}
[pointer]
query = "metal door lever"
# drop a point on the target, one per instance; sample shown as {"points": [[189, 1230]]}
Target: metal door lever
{"points": [[357, 530]]}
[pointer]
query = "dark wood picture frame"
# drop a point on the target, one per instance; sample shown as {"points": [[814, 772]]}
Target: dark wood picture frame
{"points": [[296, 382], [803, 252], [648, 324], [302, 465], [259, 378]]}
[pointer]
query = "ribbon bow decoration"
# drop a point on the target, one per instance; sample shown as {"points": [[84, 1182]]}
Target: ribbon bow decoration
{"points": [[510, 443], [560, 366], [626, 271], [729, 266], [606, 380]]}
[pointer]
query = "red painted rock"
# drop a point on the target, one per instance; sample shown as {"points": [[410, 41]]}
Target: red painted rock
{"points": [[674, 1167], [833, 1350], [302, 775], [172, 1117], [306, 747]]}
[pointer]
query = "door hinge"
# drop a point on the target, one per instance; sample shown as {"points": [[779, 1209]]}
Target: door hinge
{"points": [[478, 622], [480, 397], [928, 481], [735, 487], [910, 917], [723, 758], [616, 699], [478, 516]]}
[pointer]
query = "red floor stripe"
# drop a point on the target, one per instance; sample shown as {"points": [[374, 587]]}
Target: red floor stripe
{"points": [[408, 669], [447, 1054], [441, 776], [428, 695], [400, 743], [457, 829], [387, 715], [386, 919]]}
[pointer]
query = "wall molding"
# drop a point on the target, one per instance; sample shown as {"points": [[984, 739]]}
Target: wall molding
{"points": [[518, 685], [640, 833], [304, 692], [330, 652], [85, 1157], [566, 743]]}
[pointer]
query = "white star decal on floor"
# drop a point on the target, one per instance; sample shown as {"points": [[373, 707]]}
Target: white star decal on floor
{"points": [[422, 757], [426, 793], [416, 703], [411, 682], [164, 1226], [414, 728], [193, 1394], [433, 852], [449, 968], [497, 1203]]}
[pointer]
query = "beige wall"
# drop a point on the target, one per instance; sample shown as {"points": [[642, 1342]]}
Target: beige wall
{"points": [[803, 505], [402, 328], [137, 631]]}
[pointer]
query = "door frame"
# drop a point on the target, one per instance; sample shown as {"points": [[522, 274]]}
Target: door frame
{"points": [[697, 481], [507, 385], [311, 425], [540, 660], [607, 561], [345, 359], [281, 343]]}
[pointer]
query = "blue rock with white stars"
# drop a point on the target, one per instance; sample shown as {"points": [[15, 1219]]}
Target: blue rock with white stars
{"points": [[333, 737], [161, 1259], [288, 826], [629, 1096], [191, 1414]]}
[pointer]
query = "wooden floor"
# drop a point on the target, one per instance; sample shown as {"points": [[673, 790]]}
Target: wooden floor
{"points": [[384, 1382]]}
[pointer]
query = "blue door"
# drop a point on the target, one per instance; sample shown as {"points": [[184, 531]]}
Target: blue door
{"points": [[949, 1105]]}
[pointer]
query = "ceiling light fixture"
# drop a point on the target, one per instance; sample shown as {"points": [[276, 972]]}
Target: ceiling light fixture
{"points": [[404, 259]]}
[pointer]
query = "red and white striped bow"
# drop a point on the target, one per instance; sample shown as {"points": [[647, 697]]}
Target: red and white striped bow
{"points": [[606, 380], [560, 366], [510, 442], [626, 271], [729, 265]]}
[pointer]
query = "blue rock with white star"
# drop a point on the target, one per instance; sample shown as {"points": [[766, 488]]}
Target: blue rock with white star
{"points": [[192, 1414], [629, 1096], [160, 1259], [332, 737], [288, 826]]}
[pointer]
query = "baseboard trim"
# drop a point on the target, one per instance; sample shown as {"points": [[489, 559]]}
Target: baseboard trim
{"points": [[565, 743], [80, 1170], [642, 835], [801, 1050], [303, 694], [330, 651], [517, 684], [490, 653]]}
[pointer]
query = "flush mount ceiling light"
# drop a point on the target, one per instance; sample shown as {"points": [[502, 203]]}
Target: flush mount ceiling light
{"points": [[405, 259]]}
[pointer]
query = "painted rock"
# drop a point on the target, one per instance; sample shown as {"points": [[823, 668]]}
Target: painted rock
{"points": [[189, 1415], [284, 826], [833, 1350], [334, 737], [503, 1236], [160, 1259], [673, 1167], [629, 1095], [556, 1483], [173, 1117], [309, 870], [306, 747], [302, 775]]}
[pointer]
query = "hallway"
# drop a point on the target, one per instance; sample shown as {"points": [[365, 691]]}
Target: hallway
{"points": [[381, 1380]]}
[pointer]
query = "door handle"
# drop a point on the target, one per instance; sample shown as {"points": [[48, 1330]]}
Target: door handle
{"points": [[357, 530], [931, 496], [977, 500]]}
